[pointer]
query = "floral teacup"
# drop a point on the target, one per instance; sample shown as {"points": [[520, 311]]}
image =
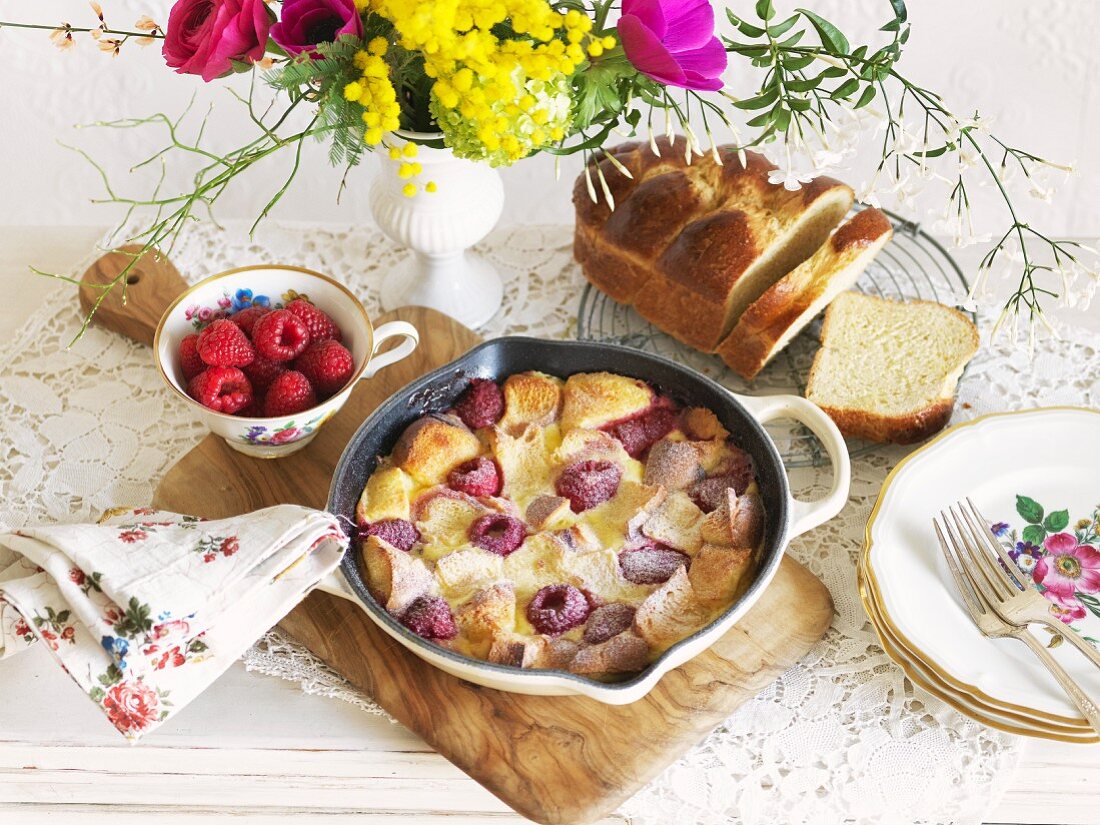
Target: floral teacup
{"points": [[227, 293]]}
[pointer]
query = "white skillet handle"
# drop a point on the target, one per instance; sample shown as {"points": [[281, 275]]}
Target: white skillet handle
{"points": [[806, 515], [402, 350], [334, 585]]}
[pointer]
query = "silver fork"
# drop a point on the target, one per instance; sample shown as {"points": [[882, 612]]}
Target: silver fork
{"points": [[974, 587], [1016, 601]]}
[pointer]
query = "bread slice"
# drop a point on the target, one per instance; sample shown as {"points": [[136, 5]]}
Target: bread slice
{"points": [[776, 317], [887, 370]]}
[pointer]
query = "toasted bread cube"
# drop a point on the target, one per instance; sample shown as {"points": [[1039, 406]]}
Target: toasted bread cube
{"points": [[443, 516], [738, 521], [395, 578], [537, 563], [591, 400], [530, 398], [518, 650], [716, 572], [677, 523], [488, 612], [386, 495], [549, 513], [701, 424], [434, 445], [671, 612], [673, 465], [524, 461], [465, 570], [624, 653]]}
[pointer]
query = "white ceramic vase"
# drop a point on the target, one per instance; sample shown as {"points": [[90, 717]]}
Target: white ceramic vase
{"points": [[440, 227]]}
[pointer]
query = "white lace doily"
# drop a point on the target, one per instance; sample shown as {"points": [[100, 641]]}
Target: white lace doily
{"points": [[842, 736]]}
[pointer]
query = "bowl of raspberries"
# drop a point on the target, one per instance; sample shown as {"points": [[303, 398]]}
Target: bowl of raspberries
{"points": [[266, 354]]}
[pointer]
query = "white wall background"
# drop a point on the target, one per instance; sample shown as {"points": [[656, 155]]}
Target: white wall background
{"points": [[1030, 66]]}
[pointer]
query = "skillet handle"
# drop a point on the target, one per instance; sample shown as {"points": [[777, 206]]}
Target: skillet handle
{"points": [[334, 585], [806, 515]]}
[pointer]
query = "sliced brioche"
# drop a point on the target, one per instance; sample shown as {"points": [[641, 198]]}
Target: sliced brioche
{"points": [[778, 315], [887, 370]]}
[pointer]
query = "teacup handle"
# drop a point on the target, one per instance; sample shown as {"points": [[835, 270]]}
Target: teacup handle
{"points": [[390, 330], [806, 515]]}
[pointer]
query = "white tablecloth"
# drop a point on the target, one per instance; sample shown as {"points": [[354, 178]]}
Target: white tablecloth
{"points": [[842, 735]]}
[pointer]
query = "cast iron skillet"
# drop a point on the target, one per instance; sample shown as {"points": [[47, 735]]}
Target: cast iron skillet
{"points": [[499, 358]]}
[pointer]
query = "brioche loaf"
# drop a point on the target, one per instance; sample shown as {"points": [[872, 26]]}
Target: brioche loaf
{"points": [[788, 305], [887, 370], [692, 245]]}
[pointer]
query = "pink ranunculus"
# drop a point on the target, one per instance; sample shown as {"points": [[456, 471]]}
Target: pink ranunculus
{"points": [[305, 23], [131, 706], [1068, 566], [204, 37], [673, 42]]}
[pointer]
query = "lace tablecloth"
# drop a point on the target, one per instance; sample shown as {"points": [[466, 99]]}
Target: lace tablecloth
{"points": [[842, 736]]}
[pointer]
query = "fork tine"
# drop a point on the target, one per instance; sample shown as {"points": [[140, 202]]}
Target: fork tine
{"points": [[990, 541], [966, 590], [995, 589]]}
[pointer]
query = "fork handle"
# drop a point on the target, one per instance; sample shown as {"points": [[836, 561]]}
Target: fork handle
{"points": [[1067, 682], [1091, 653]]}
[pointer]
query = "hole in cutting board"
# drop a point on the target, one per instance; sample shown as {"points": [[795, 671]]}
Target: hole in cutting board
{"points": [[133, 279]]}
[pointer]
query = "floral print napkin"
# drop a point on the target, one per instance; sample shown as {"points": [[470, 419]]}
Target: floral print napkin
{"points": [[145, 609]]}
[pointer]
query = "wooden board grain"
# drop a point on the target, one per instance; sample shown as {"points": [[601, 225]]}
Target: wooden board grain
{"points": [[553, 759]]}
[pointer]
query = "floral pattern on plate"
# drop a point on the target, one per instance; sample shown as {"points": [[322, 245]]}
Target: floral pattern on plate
{"points": [[284, 434], [1063, 562], [230, 304]]}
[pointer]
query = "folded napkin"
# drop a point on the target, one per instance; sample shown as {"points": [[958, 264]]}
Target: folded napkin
{"points": [[145, 609]]}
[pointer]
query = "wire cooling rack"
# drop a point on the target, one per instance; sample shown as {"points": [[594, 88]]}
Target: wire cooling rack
{"points": [[913, 265]]}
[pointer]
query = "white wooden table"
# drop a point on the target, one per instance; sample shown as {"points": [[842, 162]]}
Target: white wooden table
{"points": [[259, 749]]}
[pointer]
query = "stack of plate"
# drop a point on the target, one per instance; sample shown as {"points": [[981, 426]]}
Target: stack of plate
{"points": [[1035, 474]]}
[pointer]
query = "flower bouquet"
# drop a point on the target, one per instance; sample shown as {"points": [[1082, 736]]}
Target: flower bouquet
{"points": [[447, 91]]}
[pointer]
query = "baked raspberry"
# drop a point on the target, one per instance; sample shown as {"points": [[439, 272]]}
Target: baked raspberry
{"points": [[400, 533], [327, 364], [588, 483], [222, 389], [262, 371], [607, 621], [737, 465], [650, 563], [280, 335], [640, 433], [246, 319], [557, 608], [478, 477], [709, 493], [320, 326], [429, 617], [481, 404], [190, 361], [222, 344], [497, 533], [289, 393]]}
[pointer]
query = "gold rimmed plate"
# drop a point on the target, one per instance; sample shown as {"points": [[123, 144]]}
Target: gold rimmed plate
{"points": [[1034, 473]]}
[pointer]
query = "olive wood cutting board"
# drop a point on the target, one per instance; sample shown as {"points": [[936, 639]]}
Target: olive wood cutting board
{"points": [[564, 759]]}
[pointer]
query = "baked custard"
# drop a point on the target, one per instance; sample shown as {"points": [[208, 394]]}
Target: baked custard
{"points": [[584, 524]]}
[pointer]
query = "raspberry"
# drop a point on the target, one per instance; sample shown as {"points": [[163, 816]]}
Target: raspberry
{"points": [[320, 326], [222, 389], [327, 364], [262, 371], [709, 493], [255, 409], [222, 344], [429, 617], [638, 434], [190, 362], [588, 483], [396, 531], [650, 563], [289, 393], [478, 477], [607, 621], [280, 335], [246, 319], [497, 533], [557, 608], [481, 404]]}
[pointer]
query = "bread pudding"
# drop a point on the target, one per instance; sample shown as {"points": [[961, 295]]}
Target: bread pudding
{"points": [[584, 524]]}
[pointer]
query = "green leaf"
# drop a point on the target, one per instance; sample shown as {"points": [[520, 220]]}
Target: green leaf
{"points": [[97, 694], [806, 85], [765, 10], [865, 98], [900, 13], [780, 29], [1029, 509], [793, 40], [1034, 533], [761, 101], [831, 37], [845, 89], [796, 64], [781, 118], [1057, 521], [749, 30]]}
